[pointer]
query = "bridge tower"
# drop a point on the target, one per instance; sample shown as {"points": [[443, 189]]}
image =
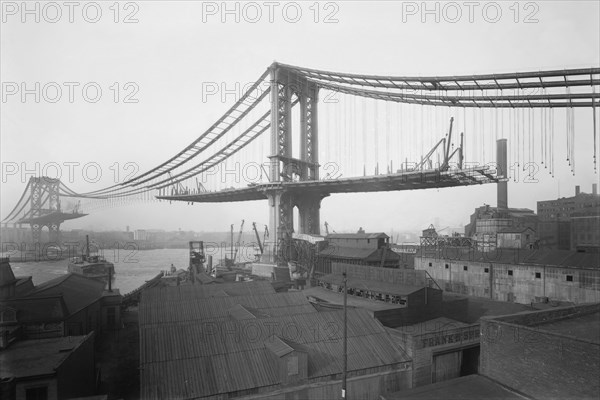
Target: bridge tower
{"points": [[287, 90], [44, 193]]}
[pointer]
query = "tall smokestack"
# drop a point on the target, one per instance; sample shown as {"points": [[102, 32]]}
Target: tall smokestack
{"points": [[594, 188], [502, 168], [577, 190]]}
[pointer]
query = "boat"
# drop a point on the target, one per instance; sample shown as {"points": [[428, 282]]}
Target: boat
{"points": [[92, 266]]}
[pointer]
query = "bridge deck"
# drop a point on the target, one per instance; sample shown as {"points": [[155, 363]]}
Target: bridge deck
{"points": [[51, 217], [380, 183]]}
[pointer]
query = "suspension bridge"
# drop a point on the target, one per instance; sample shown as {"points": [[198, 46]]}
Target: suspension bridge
{"points": [[298, 135]]}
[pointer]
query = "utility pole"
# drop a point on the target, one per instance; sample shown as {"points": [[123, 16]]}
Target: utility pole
{"points": [[345, 337]]}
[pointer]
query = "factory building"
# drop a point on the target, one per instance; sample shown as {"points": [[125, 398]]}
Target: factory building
{"points": [[570, 223], [243, 339], [514, 275]]}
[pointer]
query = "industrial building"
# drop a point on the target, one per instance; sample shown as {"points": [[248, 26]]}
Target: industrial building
{"points": [[570, 223], [369, 249], [243, 339], [440, 334], [488, 223], [515, 275], [549, 354]]}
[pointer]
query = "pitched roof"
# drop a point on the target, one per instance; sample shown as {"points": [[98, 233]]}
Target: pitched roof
{"points": [[30, 358], [6, 273], [39, 309], [188, 309], [166, 293], [78, 291], [195, 359]]}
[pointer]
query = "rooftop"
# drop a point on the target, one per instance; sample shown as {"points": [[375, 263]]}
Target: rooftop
{"points": [[328, 298], [234, 355], [581, 322], [30, 358], [77, 291], [182, 309], [189, 292], [371, 285], [471, 387]]}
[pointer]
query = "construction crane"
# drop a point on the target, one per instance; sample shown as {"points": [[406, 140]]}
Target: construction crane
{"points": [[260, 246], [238, 240], [327, 228]]}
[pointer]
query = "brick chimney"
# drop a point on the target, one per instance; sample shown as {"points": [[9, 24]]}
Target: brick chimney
{"points": [[594, 188], [577, 190]]}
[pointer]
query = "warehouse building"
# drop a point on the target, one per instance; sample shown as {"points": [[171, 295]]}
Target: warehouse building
{"points": [[514, 275], [228, 340]]}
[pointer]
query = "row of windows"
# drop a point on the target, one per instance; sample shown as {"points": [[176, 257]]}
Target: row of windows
{"points": [[538, 275]]}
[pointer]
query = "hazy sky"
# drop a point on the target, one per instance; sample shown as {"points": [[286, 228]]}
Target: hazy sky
{"points": [[175, 48]]}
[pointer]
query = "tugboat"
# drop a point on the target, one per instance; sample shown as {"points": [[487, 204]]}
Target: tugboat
{"points": [[94, 266]]}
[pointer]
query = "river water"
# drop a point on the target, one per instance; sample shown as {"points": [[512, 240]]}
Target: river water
{"points": [[132, 268]]}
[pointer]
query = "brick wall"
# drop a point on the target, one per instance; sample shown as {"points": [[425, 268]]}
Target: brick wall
{"points": [[539, 363]]}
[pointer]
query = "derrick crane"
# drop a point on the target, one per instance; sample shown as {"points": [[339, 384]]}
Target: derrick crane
{"points": [[260, 246], [238, 240]]}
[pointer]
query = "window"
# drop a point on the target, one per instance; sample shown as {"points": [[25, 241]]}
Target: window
{"points": [[569, 278], [447, 266], [486, 270], [538, 275], [510, 272], [465, 268], [36, 393], [430, 264]]}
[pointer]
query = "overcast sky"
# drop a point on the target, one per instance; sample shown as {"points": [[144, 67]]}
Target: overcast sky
{"points": [[170, 50]]}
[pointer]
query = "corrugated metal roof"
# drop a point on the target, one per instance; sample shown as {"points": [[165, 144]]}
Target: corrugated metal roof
{"points": [[181, 309], [167, 293], [185, 359], [373, 286], [278, 346]]}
